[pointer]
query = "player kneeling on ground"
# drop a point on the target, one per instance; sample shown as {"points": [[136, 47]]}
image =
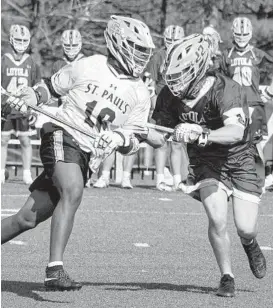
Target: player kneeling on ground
{"points": [[208, 114], [98, 90]]}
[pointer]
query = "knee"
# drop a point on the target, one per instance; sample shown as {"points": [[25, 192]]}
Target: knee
{"points": [[25, 222], [72, 194], [218, 225], [247, 233]]}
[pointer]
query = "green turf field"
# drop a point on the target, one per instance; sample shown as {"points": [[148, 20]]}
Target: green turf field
{"points": [[133, 248]]}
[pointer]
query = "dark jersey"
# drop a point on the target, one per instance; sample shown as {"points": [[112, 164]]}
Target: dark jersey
{"points": [[244, 68], [154, 67], [222, 99], [60, 63], [17, 74]]}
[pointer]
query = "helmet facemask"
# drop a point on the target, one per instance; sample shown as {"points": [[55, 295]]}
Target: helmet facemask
{"points": [[19, 38], [72, 43], [242, 32], [173, 34], [184, 71], [130, 42]]}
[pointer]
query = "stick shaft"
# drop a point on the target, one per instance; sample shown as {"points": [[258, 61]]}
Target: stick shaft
{"points": [[52, 116]]}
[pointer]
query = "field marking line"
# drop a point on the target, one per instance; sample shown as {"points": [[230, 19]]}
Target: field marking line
{"points": [[12, 242]]}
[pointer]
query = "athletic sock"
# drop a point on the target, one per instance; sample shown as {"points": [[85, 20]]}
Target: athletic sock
{"points": [[126, 175], [228, 273], [159, 178], [105, 174], [55, 263], [27, 172], [177, 179]]}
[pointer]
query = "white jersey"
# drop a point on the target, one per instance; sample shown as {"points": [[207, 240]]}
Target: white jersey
{"points": [[97, 95]]}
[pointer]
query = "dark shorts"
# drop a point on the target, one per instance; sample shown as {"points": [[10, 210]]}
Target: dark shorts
{"points": [[58, 145], [237, 175], [17, 127]]}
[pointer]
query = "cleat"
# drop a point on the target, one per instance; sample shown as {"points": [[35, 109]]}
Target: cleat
{"points": [[57, 279], [163, 187], [126, 183], [226, 287], [27, 179], [256, 259], [102, 182]]}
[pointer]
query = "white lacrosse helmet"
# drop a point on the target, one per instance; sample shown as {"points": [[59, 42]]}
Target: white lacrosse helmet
{"points": [[172, 34], [242, 31], [130, 42], [186, 63], [72, 43], [19, 38], [214, 37]]}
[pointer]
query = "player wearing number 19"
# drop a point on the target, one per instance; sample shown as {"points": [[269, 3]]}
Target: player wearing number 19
{"points": [[98, 90], [18, 70]]}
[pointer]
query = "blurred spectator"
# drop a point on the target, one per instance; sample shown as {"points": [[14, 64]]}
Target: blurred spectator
{"points": [[178, 156], [18, 70]]}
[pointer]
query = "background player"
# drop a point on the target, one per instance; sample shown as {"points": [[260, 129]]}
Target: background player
{"points": [[99, 90], [18, 70], [222, 164], [72, 45], [178, 153], [242, 63]]}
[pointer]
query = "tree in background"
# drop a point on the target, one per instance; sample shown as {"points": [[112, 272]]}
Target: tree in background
{"points": [[48, 19]]}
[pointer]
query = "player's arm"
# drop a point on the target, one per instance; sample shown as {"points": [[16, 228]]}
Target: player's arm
{"points": [[230, 103]]}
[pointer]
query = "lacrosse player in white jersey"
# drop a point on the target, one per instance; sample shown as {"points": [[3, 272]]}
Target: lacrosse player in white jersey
{"points": [[99, 90]]}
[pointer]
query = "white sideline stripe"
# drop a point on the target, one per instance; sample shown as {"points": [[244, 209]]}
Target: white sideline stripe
{"points": [[165, 199], [142, 245], [19, 195], [6, 215], [17, 242], [266, 248], [129, 212], [10, 210]]}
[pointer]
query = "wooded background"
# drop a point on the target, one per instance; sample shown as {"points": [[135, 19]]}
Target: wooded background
{"points": [[48, 19]]}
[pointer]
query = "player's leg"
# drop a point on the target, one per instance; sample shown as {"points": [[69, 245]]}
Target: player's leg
{"points": [[248, 183], [26, 149], [176, 161], [24, 131], [128, 162], [160, 163], [38, 207], [6, 130], [62, 222], [104, 179], [148, 158], [184, 162], [215, 203]]}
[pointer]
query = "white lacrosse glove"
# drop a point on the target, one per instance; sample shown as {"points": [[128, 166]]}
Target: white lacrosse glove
{"points": [[109, 141], [17, 103], [189, 133]]}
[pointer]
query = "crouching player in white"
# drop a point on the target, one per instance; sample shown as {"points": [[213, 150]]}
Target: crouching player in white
{"points": [[210, 110], [99, 90]]}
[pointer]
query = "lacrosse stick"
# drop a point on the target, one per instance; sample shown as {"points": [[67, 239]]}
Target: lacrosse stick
{"points": [[160, 128], [55, 118]]}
